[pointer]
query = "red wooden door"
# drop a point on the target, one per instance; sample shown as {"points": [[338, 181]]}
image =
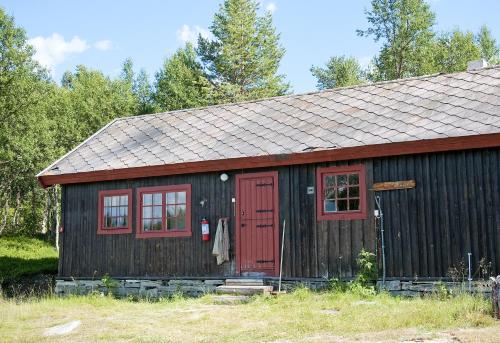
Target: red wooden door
{"points": [[257, 223]]}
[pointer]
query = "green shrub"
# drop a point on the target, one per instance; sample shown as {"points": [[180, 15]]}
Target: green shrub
{"points": [[110, 283], [337, 285], [441, 292], [367, 268]]}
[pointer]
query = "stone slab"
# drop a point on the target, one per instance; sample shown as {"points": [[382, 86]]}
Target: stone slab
{"points": [[244, 282], [185, 282], [392, 285], [230, 299], [244, 290]]}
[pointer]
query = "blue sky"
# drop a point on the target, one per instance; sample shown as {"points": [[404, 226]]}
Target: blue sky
{"points": [[101, 34]]}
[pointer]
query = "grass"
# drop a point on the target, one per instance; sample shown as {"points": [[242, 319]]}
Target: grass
{"points": [[23, 256], [295, 317]]}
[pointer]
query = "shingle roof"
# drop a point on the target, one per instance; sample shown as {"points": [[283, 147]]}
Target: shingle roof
{"points": [[429, 107]]}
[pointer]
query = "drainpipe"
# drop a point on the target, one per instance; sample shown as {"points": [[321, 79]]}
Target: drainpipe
{"points": [[380, 215], [469, 256]]}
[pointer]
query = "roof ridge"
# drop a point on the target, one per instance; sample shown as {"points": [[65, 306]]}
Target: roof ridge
{"points": [[329, 90]]}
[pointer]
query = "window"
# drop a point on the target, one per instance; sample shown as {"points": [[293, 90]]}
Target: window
{"points": [[115, 212], [341, 193], [164, 211]]}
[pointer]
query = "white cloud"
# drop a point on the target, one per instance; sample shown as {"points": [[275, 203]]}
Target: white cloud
{"points": [[53, 50], [190, 34], [271, 7], [103, 45]]}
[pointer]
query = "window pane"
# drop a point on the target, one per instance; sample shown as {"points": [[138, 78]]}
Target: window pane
{"points": [[180, 210], [353, 192], [147, 212], [330, 206], [113, 222], [123, 211], [107, 211], [341, 180], [354, 205], [115, 201], [330, 193], [171, 198], [120, 221], [156, 224], [146, 225], [170, 210], [107, 221], [157, 198], [114, 211], [157, 212], [181, 222], [342, 204], [342, 192], [147, 199], [125, 221], [170, 223], [330, 181], [107, 201], [353, 179], [181, 197], [124, 200]]}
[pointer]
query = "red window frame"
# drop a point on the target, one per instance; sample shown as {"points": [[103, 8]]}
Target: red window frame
{"points": [[101, 230], [340, 170], [186, 232]]}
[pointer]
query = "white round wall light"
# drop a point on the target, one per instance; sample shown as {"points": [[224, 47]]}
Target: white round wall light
{"points": [[224, 177]]}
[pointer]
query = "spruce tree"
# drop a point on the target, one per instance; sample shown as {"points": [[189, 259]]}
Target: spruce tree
{"points": [[243, 56]]}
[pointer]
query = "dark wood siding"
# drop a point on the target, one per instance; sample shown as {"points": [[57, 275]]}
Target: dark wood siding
{"points": [[454, 209], [312, 249]]}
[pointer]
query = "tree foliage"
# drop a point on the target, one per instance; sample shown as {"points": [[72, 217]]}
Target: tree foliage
{"points": [[453, 50], [25, 141], [490, 51], [181, 82], [405, 29], [40, 121], [242, 58], [339, 72], [409, 46], [94, 99]]}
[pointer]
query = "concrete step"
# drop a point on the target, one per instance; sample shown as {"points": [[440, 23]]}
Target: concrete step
{"points": [[230, 299], [244, 290], [244, 282]]}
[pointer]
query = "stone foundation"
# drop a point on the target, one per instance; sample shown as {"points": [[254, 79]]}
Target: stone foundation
{"points": [[289, 286], [138, 288], [424, 288], [167, 288]]}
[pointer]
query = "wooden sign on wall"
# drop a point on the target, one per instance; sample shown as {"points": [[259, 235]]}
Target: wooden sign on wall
{"points": [[389, 186]]}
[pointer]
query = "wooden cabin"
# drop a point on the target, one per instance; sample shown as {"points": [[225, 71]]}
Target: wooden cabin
{"points": [[135, 193]]}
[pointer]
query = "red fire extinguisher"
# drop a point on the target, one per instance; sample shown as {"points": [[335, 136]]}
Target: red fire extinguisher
{"points": [[205, 230]]}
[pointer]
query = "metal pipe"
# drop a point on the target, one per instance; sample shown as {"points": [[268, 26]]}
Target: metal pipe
{"points": [[378, 201], [469, 257], [281, 259]]}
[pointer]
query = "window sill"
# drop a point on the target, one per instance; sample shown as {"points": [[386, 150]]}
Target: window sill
{"points": [[342, 216], [114, 231], [163, 234]]}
